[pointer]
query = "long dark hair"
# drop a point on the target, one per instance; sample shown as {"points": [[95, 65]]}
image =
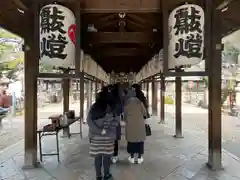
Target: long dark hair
{"points": [[99, 108]]}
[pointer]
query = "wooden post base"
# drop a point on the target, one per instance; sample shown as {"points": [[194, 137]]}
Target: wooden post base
{"points": [[30, 160], [180, 136], [215, 167]]}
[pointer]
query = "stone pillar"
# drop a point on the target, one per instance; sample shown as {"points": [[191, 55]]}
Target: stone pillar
{"points": [[31, 49], [154, 98], [178, 107]]}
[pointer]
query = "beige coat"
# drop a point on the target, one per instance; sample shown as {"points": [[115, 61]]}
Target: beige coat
{"points": [[134, 111]]}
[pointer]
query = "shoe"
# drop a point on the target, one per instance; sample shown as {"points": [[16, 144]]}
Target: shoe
{"points": [[131, 160], [108, 177], [140, 160], [99, 178], [114, 159]]}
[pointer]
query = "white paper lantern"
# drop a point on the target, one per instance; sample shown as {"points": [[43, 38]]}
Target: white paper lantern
{"points": [[186, 35], [57, 36]]}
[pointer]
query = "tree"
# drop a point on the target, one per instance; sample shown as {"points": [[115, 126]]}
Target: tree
{"points": [[10, 59], [230, 53]]}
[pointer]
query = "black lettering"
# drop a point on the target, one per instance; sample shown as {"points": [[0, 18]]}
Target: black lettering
{"points": [[191, 47], [187, 22], [51, 22], [53, 47]]}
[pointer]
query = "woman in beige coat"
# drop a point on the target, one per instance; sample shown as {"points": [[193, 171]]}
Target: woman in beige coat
{"points": [[134, 112]]}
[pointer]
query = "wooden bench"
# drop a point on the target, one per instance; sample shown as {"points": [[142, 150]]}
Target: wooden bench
{"points": [[54, 131]]}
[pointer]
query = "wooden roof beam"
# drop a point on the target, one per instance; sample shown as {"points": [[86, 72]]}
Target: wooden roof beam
{"points": [[52, 1], [21, 5], [224, 4], [123, 37], [121, 52]]}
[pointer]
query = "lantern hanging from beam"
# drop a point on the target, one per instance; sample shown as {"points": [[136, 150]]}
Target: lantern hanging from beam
{"points": [[57, 36], [186, 35]]}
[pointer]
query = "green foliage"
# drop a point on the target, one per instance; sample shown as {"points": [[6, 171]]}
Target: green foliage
{"points": [[205, 80], [43, 68], [14, 63], [230, 49], [7, 34], [5, 47], [230, 53], [168, 100], [9, 67]]}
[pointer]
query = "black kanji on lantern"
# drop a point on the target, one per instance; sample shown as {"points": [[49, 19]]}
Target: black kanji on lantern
{"points": [[190, 48], [187, 22], [51, 22], [53, 46]]}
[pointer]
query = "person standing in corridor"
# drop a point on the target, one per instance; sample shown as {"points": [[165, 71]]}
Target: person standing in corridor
{"points": [[134, 113], [102, 122]]}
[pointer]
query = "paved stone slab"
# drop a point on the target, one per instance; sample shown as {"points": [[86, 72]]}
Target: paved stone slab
{"points": [[166, 158]]}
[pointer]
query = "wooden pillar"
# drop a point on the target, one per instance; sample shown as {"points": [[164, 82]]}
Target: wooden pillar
{"points": [[96, 89], [66, 90], [89, 94], [77, 86], [147, 92], [31, 49], [82, 97], [178, 107], [144, 88], [162, 100], [154, 97], [99, 85], [78, 60], [214, 69]]}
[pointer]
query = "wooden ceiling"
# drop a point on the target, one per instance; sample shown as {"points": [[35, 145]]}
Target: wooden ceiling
{"points": [[122, 44], [128, 33]]}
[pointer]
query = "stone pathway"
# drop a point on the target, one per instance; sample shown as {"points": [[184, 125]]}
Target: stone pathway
{"points": [[166, 158]]}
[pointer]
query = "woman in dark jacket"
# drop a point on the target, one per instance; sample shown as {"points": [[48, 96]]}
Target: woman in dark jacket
{"points": [[102, 122]]}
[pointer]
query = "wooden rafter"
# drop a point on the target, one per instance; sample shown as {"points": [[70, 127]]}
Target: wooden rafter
{"points": [[224, 4], [122, 52], [122, 64], [123, 37], [143, 19], [21, 5], [98, 18], [135, 25]]}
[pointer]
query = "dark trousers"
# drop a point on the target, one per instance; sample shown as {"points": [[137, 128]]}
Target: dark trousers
{"points": [[104, 161], [115, 148], [135, 148]]}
